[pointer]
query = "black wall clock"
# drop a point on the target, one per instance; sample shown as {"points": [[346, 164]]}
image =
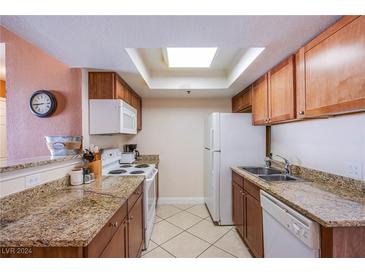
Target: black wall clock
{"points": [[42, 103]]}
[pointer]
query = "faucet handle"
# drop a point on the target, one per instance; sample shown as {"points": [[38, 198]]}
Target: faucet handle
{"points": [[268, 161]]}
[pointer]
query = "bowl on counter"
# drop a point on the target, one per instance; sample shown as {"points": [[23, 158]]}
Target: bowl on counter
{"points": [[64, 145]]}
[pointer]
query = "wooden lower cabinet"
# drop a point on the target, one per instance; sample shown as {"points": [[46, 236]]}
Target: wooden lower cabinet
{"points": [[118, 246], [254, 226], [247, 215], [343, 242], [121, 239], [135, 229], [238, 208]]}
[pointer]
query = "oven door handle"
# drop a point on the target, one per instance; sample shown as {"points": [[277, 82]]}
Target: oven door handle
{"points": [[153, 176]]}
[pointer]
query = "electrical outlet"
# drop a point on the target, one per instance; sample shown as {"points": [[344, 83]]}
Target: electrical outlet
{"points": [[354, 170], [32, 180]]}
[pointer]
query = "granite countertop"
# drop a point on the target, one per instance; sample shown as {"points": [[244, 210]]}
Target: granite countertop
{"points": [[117, 186], [62, 216], [17, 164], [329, 206], [148, 159]]}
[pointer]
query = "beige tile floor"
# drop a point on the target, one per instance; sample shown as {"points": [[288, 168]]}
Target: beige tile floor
{"points": [[186, 231]]}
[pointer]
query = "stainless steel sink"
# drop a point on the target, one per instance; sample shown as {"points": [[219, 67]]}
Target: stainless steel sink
{"points": [[270, 174], [278, 178], [261, 170]]}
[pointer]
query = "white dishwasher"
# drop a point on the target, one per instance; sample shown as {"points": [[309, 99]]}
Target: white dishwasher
{"points": [[287, 234]]}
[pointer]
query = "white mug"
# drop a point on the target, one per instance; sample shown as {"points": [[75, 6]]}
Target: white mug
{"points": [[76, 177]]}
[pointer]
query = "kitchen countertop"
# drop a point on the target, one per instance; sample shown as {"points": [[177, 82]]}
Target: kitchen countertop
{"points": [[148, 159], [64, 216], [322, 203], [13, 165]]}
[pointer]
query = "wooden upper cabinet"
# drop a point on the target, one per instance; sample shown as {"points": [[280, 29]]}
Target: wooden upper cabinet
{"points": [[260, 106], [102, 85], [121, 91], [332, 75], [243, 100], [282, 91]]}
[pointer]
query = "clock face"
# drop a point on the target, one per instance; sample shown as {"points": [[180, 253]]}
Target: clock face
{"points": [[42, 103]]}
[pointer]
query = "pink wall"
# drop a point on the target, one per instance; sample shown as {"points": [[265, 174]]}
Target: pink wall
{"points": [[28, 69]]}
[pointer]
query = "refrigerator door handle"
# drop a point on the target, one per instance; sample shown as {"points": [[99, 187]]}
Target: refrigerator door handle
{"points": [[212, 161], [212, 139]]}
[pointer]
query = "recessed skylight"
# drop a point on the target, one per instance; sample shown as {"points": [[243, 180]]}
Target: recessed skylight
{"points": [[190, 57]]}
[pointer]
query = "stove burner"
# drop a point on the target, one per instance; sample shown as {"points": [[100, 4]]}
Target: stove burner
{"points": [[142, 166], [137, 172], [117, 171], [125, 166]]}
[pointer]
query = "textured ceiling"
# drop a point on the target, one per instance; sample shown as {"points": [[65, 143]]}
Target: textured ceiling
{"points": [[99, 42]]}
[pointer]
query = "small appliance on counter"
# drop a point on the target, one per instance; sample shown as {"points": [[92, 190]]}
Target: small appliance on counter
{"points": [[130, 154]]}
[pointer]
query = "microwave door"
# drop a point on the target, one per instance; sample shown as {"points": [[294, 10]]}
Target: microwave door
{"points": [[128, 121]]}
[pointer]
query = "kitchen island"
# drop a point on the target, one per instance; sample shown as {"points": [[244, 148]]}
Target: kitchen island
{"points": [[58, 220]]}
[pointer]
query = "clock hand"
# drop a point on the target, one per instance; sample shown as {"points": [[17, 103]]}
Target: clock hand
{"points": [[38, 104]]}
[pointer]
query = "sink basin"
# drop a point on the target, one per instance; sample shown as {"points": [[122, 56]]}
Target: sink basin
{"points": [[261, 170], [278, 178]]}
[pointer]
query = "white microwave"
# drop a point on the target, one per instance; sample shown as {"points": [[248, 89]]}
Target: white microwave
{"points": [[112, 116]]}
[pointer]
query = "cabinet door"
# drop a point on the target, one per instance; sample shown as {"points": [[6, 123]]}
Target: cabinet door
{"points": [[282, 91], [120, 90], [254, 231], [243, 100], [118, 246], [260, 102], [236, 103], [335, 70], [237, 208], [135, 229], [101, 85]]}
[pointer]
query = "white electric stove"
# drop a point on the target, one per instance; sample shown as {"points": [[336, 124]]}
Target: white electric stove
{"points": [[111, 166]]}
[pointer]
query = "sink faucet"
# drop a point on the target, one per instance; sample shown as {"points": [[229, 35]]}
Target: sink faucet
{"points": [[287, 164], [268, 160]]}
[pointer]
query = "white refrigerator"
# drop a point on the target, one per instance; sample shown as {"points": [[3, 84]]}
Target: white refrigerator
{"points": [[229, 140]]}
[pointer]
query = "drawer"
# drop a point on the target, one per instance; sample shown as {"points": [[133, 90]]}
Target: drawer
{"points": [[101, 240], [252, 189], [134, 196], [237, 179]]}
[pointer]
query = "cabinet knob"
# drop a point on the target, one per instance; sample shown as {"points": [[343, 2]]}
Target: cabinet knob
{"points": [[113, 224], [131, 218], [301, 112]]}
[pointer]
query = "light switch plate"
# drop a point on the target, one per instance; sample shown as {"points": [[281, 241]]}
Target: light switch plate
{"points": [[32, 180], [354, 170]]}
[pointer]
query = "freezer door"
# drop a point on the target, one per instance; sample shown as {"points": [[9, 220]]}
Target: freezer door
{"points": [[212, 187], [212, 132]]}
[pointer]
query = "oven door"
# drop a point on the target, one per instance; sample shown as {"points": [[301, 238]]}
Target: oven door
{"points": [[128, 119], [149, 205]]}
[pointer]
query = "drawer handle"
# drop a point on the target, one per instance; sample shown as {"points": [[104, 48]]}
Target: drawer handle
{"points": [[113, 224], [301, 112]]}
